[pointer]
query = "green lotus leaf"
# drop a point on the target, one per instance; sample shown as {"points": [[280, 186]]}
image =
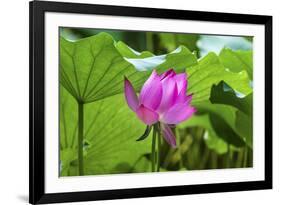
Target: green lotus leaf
{"points": [[237, 61], [93, 68], [210, 71], [110, 133]]}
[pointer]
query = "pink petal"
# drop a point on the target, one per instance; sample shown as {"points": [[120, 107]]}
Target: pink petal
{"points": [[188, 99], [169, 72], [131, 96], [169, 95], [181, 82], [168, 135], [178, 113], [147, 115], [182, 98], [151, 92]]}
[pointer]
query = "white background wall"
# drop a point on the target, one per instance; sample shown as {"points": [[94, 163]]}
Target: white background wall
{"points": [[14, 100]]}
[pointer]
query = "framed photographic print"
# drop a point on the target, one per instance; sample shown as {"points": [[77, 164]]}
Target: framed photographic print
{"points": [[140, 102]]}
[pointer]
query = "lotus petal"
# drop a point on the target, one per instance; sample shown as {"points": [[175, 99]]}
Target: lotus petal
{"points": [[130, 95], [151, 92], [178, 113], [147, 115]]}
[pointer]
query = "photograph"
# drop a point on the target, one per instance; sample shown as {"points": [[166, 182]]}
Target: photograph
{"points": [[134, 102], [123, 102]]}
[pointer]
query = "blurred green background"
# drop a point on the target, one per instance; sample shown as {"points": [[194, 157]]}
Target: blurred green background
{"points": [[161, 43]]}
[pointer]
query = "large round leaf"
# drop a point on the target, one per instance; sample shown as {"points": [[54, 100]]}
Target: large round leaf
{"points": [[94, 68], [237, 61], [210, 71], [110, 133]]}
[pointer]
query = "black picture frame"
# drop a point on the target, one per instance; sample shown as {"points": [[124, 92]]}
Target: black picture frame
{"points": [[37, 11]]}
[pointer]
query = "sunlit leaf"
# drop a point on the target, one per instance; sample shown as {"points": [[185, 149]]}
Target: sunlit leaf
{"points": [[110, 131], [237, 61], [210, 71], [89, 66], [128, 52], [178, 59], [93, 68]]}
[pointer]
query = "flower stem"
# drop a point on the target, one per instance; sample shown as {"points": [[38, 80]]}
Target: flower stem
{"points": [[153, 149], [179, 146], [149, 41], [80, 138], [228, 156], [159, 149], [245, 157]]}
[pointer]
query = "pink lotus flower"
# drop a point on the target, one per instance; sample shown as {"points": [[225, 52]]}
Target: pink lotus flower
{"points": [[162, 99]]}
